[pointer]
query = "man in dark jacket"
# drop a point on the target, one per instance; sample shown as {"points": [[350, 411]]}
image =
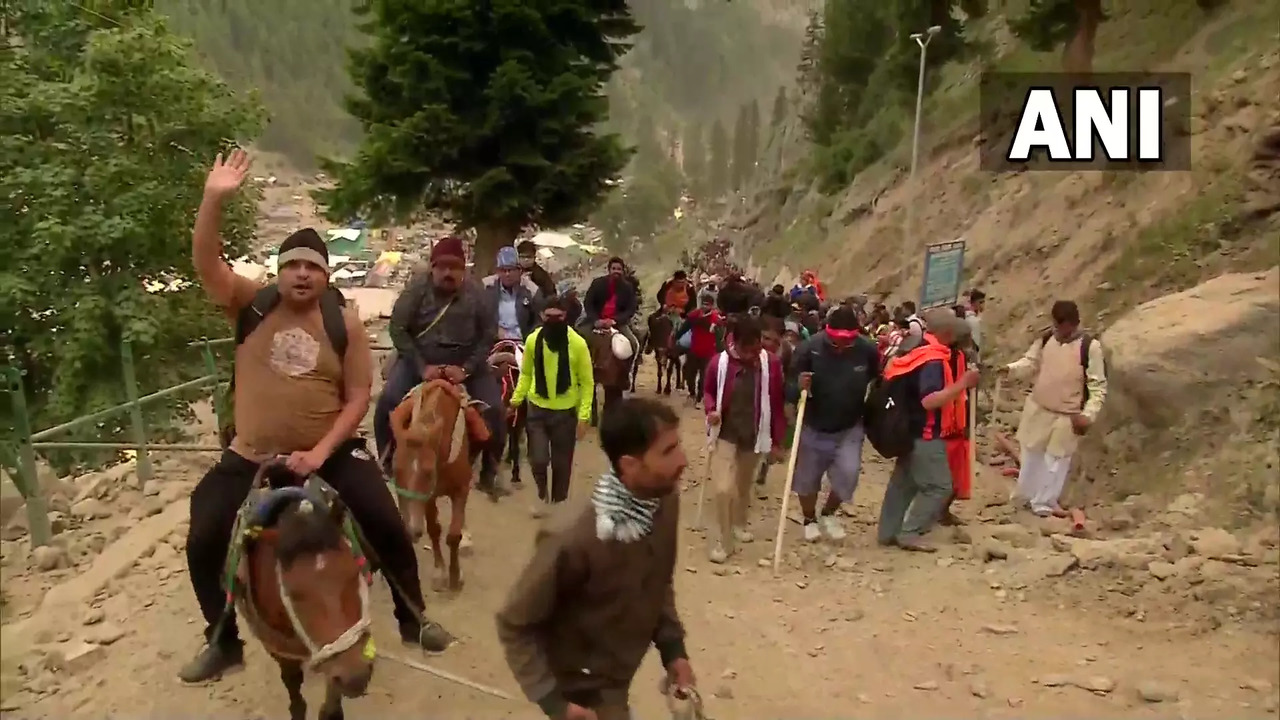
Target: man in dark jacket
{"points": [[443, 326], [536, 273], [611, 301], [835, 366], [514, 297]]}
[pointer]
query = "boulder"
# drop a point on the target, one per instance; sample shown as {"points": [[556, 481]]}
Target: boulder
{"points": [[1171, 353]]}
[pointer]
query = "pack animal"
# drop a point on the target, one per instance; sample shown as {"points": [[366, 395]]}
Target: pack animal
{"points": [[661, 341], [610, 371], [436, 427], [297, 573], [504, 359]]}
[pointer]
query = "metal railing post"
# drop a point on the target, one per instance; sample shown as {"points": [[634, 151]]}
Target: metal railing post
{"points": [[135, 412], [211, 368], [29, 481]]}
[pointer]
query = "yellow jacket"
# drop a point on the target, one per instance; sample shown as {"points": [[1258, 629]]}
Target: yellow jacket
{"points": [[582, 384]]}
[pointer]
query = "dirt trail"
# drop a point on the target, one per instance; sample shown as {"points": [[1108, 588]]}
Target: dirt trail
{"points": [[845, 631]]}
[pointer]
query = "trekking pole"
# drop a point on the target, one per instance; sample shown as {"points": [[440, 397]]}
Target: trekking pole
{"points": [[791, 476], [709, 453]]}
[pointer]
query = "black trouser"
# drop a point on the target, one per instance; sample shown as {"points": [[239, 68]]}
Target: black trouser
{"points": [[695, 372], [553, 434], [353, 473]]}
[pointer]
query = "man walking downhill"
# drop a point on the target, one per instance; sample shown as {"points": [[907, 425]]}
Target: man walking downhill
{"points": [[920, 487], [599, 590], [835, 366], [299, 393], [743, 399], [443, 326], [701, 325], [556, 379], [1070, 388], [513, 296]]}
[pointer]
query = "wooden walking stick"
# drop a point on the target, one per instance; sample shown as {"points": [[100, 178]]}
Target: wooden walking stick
{"points": [[709, 453], [791, 475]]}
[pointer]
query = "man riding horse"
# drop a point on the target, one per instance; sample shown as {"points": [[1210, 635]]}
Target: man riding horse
{"points": [[303, 378], [517, 300], [610, 304], [442, 326]]}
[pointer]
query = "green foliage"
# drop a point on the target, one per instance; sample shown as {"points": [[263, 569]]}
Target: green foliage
{"points": [[746, 144], [780, 104], [106, 127], [485, 112], [719, 159], [864, 67], [694, 159], [1046, 24], [290, 50]]}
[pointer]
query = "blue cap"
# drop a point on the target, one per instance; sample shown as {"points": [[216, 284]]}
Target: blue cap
{"points": [[508, 258]]}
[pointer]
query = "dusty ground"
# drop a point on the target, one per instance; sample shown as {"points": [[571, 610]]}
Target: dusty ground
{"points": [[1057, 628]]}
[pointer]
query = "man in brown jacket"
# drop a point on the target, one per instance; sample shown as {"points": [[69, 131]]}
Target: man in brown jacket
{"points": [[599, 589]]}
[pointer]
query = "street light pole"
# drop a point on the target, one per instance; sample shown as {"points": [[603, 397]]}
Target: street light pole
{"points": [[922, 39]]}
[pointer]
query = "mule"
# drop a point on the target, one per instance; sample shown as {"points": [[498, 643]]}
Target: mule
{"points": [[661, 341], [610, 372], [504, 360], [302, 586], [436, 427]]}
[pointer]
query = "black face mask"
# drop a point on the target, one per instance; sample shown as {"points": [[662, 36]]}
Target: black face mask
{"points": [[556, 330]]}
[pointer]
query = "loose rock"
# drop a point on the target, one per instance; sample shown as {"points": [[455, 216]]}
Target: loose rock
{"points": [[1156, 692]]}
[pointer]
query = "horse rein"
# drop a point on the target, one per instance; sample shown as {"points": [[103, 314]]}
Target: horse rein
{"points": [[319, 654]]}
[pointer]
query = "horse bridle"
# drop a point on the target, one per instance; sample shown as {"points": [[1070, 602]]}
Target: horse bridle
{"points": [[319, 654]]}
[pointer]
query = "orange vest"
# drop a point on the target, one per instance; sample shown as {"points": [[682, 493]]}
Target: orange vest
{"points": [[955, 414]]}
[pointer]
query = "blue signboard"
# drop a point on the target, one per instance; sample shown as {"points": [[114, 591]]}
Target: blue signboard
{"points": [[943, 273]]}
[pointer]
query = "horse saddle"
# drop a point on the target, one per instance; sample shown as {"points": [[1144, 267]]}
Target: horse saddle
{"points": [[477, 429]]}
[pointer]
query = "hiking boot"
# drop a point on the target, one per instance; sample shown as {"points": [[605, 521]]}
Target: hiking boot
{"points": [[812, 533], [430, 636], [915, 544], [212, 662], [831, 527], [717, 554]]}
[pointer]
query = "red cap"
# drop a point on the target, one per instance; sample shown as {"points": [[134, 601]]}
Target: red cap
{"points": [[450, 246]]}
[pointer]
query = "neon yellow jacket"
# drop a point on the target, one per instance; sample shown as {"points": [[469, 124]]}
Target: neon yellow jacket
{"points": [[582, 384]]}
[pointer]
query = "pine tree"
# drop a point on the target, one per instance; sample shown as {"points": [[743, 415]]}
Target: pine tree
{"points": [[746, 139], [487, 112], [779, 107], [694, 163], [718, 162]]}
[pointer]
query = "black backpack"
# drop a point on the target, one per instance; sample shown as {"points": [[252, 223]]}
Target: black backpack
{"points": [[332, 303], [887, 419], [1086, 340]]}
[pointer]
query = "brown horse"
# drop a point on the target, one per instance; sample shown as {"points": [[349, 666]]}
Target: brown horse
{"points": [[435, 428], [661, 340], [610, 372], [302, 586], [504, 359]]}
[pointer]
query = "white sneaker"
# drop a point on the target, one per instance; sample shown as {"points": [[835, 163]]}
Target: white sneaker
{"points": [[743, 535], [831, 527], [538, 510], [811, 532], [717, 554]]}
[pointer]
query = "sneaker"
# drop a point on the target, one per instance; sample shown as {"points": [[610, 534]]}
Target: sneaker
{"points": [[430, 636], [812, 533], [539, 510], [717, 554], [915, 544], [212, 662], [743, 535], [831, 527]]}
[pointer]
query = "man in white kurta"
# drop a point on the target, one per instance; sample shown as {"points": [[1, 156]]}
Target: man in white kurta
{"points": [[1063, 404]]}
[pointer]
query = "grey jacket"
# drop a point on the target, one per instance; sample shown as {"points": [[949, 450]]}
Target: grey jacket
{"points": [[528, 302], [462, 336]]}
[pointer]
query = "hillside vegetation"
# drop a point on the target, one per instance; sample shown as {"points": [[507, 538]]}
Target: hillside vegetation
{"points": [[1110, 240]]}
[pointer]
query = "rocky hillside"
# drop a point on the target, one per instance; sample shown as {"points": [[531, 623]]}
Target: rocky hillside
{"points": [[1111, 241]]}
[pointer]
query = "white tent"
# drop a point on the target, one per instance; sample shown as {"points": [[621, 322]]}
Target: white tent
{"points": [[553, 240]]}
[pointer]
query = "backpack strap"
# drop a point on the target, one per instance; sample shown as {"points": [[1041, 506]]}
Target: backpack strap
{"points": [[264, 301], [332, 304]]}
